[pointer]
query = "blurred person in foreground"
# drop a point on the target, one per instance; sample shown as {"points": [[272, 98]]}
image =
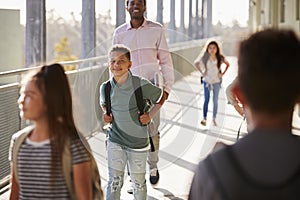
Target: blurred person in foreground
{"points": [[264, 164], [38, 164]]}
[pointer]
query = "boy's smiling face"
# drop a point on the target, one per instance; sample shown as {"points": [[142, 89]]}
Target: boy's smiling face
{"points": [[118, 64]]}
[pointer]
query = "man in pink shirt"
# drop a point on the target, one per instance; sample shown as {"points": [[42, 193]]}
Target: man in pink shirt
{"points": [[151, 59]]}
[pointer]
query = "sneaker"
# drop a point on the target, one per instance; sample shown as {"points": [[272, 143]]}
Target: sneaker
{"points": [[154, 176], [203, 122], [130, 187], [214, 122]]}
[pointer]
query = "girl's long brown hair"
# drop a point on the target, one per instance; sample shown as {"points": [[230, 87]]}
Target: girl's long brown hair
{"points": [[220, 57], [54, 85]]}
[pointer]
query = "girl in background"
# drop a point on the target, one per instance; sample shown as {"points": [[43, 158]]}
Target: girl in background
{"points": [[209, 65], [45, 99]]}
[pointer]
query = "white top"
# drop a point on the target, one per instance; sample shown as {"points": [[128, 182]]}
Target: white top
{"points": [[212, 71]]}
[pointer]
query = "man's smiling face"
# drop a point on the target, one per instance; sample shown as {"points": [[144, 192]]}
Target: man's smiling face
{"points": [[136, 9]]}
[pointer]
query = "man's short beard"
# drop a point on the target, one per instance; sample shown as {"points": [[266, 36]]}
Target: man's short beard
{"points": [[137, 17]]}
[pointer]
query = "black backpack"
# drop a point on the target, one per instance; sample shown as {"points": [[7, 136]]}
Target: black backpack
{"points": [[138, 96]]}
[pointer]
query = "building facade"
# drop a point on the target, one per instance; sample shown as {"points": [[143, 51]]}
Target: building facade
{"points": [[12, 42], [274, 13]]}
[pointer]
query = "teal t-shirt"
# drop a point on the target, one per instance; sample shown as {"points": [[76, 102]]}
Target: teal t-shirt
{"points": [[126, 128]]}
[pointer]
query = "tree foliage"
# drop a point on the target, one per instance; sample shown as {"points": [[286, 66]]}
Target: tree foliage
{"points": [[63, 53], [58, 28]]}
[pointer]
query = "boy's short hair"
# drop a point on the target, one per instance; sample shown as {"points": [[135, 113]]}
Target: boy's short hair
{"points": [[121, 48], [269, 70]]}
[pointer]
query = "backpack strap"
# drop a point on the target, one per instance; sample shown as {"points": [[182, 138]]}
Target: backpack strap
{"points": [[107, 89], [96, 179], [138, 93], [136, 81], [20, 137], [67, 170]]}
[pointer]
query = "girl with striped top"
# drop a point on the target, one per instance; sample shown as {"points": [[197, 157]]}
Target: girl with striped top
{"points": [[45, 99]]}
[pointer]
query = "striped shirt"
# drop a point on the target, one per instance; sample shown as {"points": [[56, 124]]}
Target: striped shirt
{"points": [[34, 170]]}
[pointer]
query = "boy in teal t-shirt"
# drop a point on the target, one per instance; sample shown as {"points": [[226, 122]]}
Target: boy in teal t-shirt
{"points": [[128, 139]]}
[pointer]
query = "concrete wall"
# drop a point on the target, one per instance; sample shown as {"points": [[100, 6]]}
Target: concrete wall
{"points": [[12, 42]]}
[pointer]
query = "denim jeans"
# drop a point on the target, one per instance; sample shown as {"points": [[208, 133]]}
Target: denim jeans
{"points": [[216, 89], [118, 157]]}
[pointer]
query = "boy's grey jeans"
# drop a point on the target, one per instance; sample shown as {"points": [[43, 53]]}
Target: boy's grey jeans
{"points": [[118, 157]]}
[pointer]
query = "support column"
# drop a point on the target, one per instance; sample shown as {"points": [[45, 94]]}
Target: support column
{"points": [[208, 20], [202, 19], [88, 29], [275, 13], [159, 17], [209, 17], [182, 26], [35, 44], [120, 13], [190, 31], [172, 26], [197, 29]]}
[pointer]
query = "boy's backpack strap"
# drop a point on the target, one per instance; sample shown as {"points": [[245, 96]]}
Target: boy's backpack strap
{"points": [[107, 89], [138, 93], [20, 137], [136, 81]]}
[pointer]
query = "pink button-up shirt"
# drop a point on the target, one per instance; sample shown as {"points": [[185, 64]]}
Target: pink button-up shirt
{"points": [[149, 51]]}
